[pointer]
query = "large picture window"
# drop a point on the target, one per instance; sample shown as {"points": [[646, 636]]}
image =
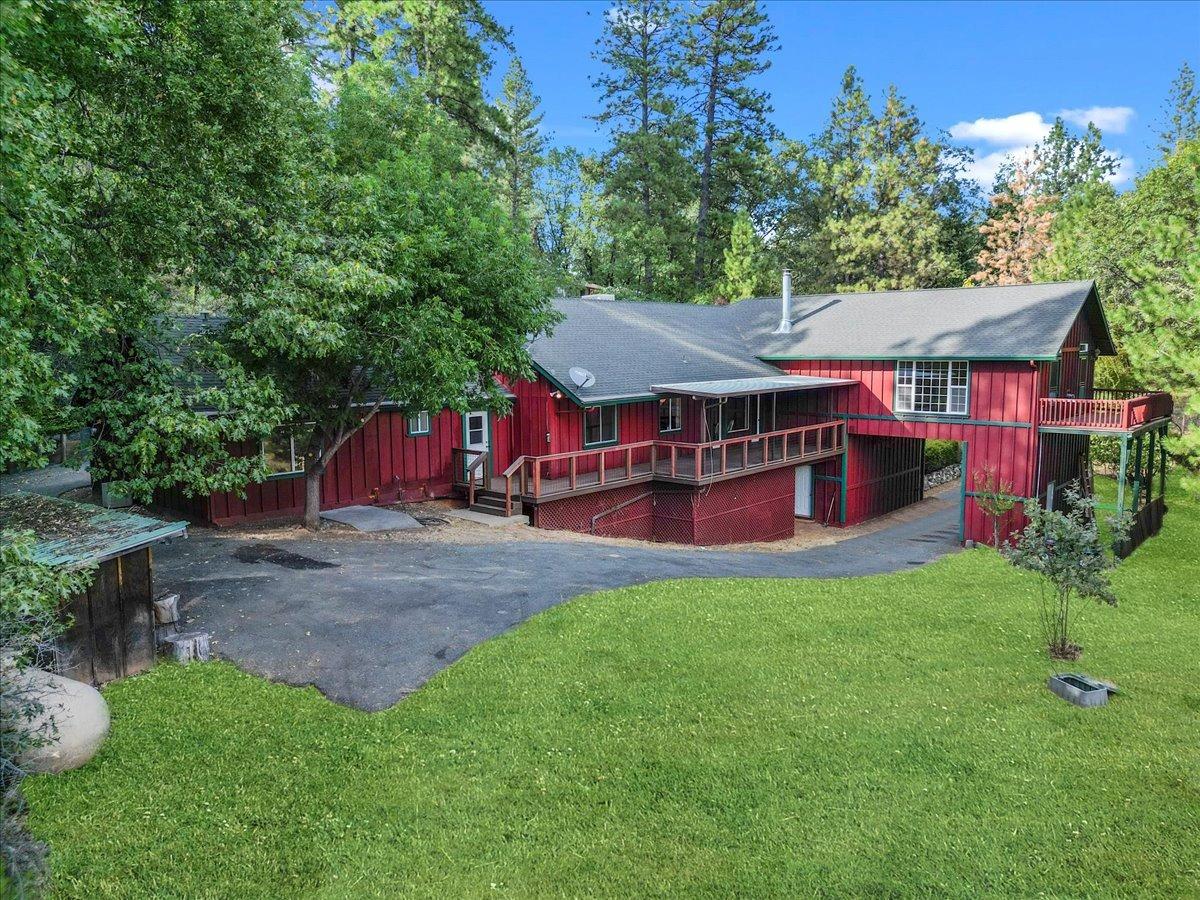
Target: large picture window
{"points": [[931, 386], [281, 454], [670, 415], [599, 426]]}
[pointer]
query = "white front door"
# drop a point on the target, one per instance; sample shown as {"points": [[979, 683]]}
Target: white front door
{"points": [[476, 434], [804, 494]]}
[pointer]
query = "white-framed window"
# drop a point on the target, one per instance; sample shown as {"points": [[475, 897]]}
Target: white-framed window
{"points": [[937, 387], [419, 423], [599, 425], [670, 415], [281, 454], [737, 414]]}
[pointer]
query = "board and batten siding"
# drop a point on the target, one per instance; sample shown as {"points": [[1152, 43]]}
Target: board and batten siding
{"points": [[380, 463], [1000, 427]]}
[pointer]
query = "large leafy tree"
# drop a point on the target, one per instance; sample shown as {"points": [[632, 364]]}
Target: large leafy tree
{"points": [[42, 317], [443, 48], [645, 174], [727, 43], [409, 286], [156, 144], [185, 162]]}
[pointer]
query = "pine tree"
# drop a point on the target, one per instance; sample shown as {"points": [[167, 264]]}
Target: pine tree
{"points": [[515, 169], [646, 177], [1017, 234], [1183, 122], [743, 262], [726, 45], [895, 184], [1063, 163]]}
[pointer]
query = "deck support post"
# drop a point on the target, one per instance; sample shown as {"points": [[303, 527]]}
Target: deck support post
{"points": [[842, 489], [1162, 462], [1121, 466]]}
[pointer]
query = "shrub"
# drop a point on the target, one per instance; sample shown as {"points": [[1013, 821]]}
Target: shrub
{"points": [[31, 598], [940, 454], [1066, 550]]}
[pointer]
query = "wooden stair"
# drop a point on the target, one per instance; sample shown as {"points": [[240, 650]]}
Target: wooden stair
{"points": [[492, 503]]}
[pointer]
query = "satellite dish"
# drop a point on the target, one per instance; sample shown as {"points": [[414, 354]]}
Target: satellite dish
{"points": [[582, 377]]}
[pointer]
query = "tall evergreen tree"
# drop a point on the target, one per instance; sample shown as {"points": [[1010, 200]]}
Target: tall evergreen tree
{"points": [[1182, 118], [1063, 162], [646, 176], [743, 269], [516, 166], [726, 45], [888, 199]]}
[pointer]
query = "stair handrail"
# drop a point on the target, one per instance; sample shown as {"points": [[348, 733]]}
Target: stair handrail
{"points": [[517, 464], [472, 473]]}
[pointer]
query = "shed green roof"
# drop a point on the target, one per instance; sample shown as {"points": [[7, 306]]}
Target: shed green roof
{"points": [[78, 534]]}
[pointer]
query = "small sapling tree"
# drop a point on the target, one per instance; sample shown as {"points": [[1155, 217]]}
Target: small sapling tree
{"points": [[995, 498], [1066, 550]]}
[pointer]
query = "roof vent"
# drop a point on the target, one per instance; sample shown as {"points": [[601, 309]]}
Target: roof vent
{"points": [[785, 313], [582, 377]]}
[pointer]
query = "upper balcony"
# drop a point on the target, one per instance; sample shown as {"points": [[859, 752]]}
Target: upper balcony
{"points": [[1107, 411]]}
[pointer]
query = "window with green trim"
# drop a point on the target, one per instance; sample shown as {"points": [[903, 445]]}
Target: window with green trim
{"points": [[419, 423], [1055, 375], [281, 455], [937, 387], [670, 415], [599, 425]]}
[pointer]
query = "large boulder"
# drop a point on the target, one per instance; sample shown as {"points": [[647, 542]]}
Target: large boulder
{"points": [[81, 721]]}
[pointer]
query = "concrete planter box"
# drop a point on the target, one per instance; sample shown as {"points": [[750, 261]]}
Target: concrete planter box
{"points": [[1079, 689], [111, 498]]}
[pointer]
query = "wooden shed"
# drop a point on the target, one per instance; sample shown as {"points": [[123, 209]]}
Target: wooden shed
{"points": [[111, 634]]}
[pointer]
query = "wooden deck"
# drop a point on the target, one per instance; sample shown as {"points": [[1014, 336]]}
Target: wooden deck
{"points": [[551, 477], [1108, 411]]}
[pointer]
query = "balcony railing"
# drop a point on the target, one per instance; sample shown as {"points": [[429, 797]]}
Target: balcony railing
{"points": [[1107, 410], [540, 478]]}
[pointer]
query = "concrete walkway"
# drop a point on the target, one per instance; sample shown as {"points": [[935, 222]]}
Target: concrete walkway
{"points": [[369, 621]]}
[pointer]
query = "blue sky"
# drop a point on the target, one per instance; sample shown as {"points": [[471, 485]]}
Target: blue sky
{"points": [[994, 74]]}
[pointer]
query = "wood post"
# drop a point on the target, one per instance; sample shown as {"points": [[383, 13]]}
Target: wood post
{"points": [[601, 467], [628, 462], [571, 472]]}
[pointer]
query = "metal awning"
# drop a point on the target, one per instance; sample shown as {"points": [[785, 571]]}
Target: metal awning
{"points": [[736, 387]]}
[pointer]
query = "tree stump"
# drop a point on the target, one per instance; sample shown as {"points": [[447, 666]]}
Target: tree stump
{"points": [[191, 646], [166, 609]]}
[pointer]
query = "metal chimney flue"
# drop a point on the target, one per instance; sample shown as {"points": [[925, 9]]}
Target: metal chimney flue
{"points": [[785, 312]]}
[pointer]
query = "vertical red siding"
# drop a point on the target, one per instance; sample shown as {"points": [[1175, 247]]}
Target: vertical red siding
{"points": [[379, 463], [999, 428]]}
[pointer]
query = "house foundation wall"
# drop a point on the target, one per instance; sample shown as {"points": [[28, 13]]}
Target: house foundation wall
{"points": [[758, 507]]}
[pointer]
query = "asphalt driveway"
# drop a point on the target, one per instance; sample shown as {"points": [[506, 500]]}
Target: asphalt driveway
{"points": [[368, 622]]}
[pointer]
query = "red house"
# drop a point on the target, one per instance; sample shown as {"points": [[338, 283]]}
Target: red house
{"points": [[719, 424]]}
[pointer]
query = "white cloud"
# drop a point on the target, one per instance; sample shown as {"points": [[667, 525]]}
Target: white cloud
{"points": [[1010, 131], [1109, 119]]}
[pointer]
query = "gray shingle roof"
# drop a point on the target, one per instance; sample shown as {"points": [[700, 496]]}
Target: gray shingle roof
{"points": [[631, 345], [1027, 321]]}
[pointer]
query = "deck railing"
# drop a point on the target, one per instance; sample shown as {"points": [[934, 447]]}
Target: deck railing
{"points": [[560, 474], [1108, 410]]}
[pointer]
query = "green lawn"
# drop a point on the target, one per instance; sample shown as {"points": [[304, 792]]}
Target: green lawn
{"points": [[887, 735]]}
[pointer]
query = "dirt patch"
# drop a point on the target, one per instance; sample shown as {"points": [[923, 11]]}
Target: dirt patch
{"points": [[441, 528]]}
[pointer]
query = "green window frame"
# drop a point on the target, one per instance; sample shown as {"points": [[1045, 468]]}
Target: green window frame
{"points": [[1055, 376], [670, 415], [419, 423], [280, 455], [600, 426]]}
